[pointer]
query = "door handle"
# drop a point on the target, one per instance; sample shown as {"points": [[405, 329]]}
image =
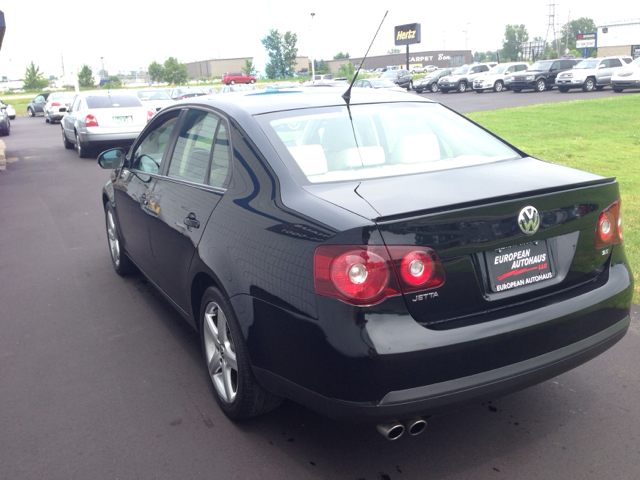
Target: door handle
{"points": [[191, 221]]}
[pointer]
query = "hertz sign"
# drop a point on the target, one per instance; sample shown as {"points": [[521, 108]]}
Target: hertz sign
{"points": [[407, 34]]}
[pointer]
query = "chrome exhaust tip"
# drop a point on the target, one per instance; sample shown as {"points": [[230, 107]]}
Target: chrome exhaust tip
{"points": [[415, 426], [391, 431]]}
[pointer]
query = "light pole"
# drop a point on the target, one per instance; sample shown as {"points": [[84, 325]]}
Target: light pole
{"points": [[102, 75], [313, 67]]}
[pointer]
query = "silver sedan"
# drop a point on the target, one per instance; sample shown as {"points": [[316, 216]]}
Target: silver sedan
{"points": [[102, 119]]}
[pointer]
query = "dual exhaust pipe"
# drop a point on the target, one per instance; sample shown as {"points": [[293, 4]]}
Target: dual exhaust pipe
{"points": [[394, 430]]}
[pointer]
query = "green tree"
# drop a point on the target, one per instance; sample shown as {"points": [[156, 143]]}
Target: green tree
{"points": [[392, 51], [34, 79], [282, 53], [321, 66], [347, 70], [175, 72], [340, 55], [571, 29], [514, 35], [85, 77], [249, 68], [156, 72]]}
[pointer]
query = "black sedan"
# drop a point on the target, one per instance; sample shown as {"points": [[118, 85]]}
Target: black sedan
{"points": [[430, 82], [375, 259]]}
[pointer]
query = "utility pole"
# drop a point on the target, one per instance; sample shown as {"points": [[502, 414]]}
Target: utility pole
{"points": [[466, 37], [444, 40], [313, 67], [62, 58]]}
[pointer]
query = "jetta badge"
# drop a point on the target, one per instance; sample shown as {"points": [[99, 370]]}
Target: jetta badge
{"points": [[529, 220]]}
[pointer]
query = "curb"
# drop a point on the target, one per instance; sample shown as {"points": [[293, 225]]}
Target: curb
{"points": [[3, 159]]}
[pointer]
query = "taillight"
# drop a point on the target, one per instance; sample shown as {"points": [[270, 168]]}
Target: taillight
{"points": [[365, 275], [357, 275], [55, 104], [419, 268], [149, 115], [609, 227], [91, 121], [183, 97]]}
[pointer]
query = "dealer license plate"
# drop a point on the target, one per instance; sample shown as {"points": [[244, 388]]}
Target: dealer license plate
{"points": [[123, 120], [519, 266]]}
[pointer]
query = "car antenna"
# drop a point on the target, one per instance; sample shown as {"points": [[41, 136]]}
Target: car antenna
{"points": [[347, 95]]}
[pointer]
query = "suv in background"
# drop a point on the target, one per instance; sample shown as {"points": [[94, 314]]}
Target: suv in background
{"points": [[591, 73], [401, 77], [494, 78], [462, 77], [430, 81], [231, 78], [541, 75]]}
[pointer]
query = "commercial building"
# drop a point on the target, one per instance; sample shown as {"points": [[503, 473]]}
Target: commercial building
{"points": [[439, 58], [619, 38], [218, 66]]}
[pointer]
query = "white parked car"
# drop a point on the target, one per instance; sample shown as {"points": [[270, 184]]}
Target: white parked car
{"points": [[494, 79], [56, 106], [11, 112], [591, 73], [155, 99], [627, 77]]}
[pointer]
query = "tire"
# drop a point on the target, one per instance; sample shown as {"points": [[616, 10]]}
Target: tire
{"points": [[549, 87], [80, 148], [618, 90], [599, 87], [434, 87], [541, 85], [7, 130], [227, 360], [232, 82], [462, 87], [498, 86], [67, 144], [31, 112], [252, 81], [46, 119], [563, 89], [479, 90], [419, 91], [121, 263], [444, 90], [517, 90], [410, 86], [589, 85]]}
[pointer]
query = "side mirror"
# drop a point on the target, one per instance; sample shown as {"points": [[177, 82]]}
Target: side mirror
{"points": [[602, 65], [111, 159]]}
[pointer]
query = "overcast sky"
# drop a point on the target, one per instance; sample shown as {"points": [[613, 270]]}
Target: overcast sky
{"points": [[130, 34]]}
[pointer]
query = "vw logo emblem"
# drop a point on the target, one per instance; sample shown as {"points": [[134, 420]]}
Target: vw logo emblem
{"points": [[529, 220]]}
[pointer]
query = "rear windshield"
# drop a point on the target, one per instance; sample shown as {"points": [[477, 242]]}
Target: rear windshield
{"points": [[378, 140], [113, 101]]}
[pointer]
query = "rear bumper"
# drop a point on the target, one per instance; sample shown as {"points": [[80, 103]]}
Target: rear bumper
{"points": [[429, 399], [378, 364]]}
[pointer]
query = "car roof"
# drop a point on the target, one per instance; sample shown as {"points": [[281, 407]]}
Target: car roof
{"points": [[257, 102]]}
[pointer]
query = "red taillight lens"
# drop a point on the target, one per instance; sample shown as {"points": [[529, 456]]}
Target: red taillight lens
{"points": [[183, 97], [91, 121], [357, 275], [367, 275], [418, 268], [55, 104], [609, 227], [149, 115]]}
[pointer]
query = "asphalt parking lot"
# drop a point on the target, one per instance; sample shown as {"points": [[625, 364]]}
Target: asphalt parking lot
{"points": [[101, 378]]}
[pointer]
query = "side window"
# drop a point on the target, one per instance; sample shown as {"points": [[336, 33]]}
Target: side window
{"points": [[148, 155], [77, 105], [521, 68], [615, 62], [220, 160], [190, 159], [358, 83], [511, 69], [627, 60], [555, 66], [484, 68]]}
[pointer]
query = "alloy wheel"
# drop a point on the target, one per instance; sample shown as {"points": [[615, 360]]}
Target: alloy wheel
{"points": [[220, 353], [114, 244]]}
